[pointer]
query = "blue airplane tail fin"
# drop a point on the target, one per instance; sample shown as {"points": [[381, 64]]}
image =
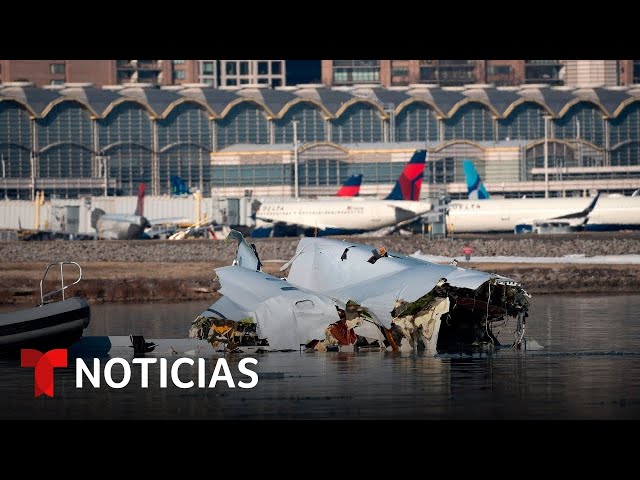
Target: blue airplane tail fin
{"points": [[475, 187], [178, 186]]}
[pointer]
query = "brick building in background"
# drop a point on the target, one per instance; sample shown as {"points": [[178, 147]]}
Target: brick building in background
{"points": [[157, 72], [389, 73], [386, 73]]}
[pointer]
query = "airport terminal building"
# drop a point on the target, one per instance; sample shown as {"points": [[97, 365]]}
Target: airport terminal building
{"points": [[76, 140]]}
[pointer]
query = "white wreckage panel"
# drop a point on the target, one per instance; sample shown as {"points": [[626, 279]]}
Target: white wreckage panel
{"points": [[341, 270], [285, 315], [323, 264]]}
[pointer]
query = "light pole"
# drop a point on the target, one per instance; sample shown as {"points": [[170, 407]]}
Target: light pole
{"points": [[4, 177], [295, 159], [546, 156], [105, 172], [390, 109]]}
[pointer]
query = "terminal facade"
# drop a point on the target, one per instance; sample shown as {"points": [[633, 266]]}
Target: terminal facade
{"points": [[76, 139]]}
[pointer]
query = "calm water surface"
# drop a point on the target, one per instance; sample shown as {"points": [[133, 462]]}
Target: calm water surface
{"points": [[589, 369]]}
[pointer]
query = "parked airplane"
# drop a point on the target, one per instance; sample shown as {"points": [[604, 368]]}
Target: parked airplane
{"points": [[610, 213], [519, 215], [115, 226], [356, 215]]}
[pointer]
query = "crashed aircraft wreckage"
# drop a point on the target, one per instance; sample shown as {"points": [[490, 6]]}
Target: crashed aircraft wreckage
{"points": [[340, 294]]}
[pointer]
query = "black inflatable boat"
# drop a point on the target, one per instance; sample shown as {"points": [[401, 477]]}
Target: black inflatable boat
{"points": [[52, 324]]}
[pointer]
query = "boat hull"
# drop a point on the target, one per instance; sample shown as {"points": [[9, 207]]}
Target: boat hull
{"points": [[53, 325]]}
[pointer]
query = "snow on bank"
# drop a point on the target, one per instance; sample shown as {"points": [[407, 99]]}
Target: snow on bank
{"points": [[578, 258]]}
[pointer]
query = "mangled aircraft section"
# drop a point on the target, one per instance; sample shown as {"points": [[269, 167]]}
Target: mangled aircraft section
{"points": [[285, 315], [341, 295]]}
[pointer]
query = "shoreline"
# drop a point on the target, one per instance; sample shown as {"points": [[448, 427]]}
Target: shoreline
{"points": [[105, 282], [167, 271]]}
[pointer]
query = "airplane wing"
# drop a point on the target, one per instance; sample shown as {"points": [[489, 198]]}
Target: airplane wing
{"points": [[170, 221], [319, 226], [398, 226], [570, 221], [410, 216], [582, 213], [405, 213]]}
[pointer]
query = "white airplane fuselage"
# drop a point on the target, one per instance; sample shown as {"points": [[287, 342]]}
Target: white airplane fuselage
{"points": [[615, 213], [502, 215], [352, 215]]}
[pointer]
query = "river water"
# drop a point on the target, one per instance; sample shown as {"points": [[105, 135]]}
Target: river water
{"points": [[589, 369]]}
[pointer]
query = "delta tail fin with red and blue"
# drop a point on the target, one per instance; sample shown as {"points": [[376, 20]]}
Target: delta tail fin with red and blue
{"points": [[409, 183], [351, 188]]}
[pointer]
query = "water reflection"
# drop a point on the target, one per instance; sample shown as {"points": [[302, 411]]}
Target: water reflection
{"points": [[580, 375]]}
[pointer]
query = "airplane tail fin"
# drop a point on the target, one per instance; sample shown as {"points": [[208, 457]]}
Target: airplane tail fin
{"points": [[409, 183], [95, 216], [351, 188], [178, 186], [475, 186], [140, 207], [246, 255]]}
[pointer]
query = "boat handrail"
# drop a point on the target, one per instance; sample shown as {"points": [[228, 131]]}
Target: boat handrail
{"points": [[63, 287]]}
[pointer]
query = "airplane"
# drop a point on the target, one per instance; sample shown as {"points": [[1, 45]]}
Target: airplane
{"points": [[115, 226], [175, 228], [339, 295], [610, 213], [355, 215], [519, 215]]}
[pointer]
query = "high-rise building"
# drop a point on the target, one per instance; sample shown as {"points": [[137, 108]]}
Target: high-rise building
{"points": [[592, 73], [207, 72], [99, 72], [57, 72], [447, 73]]}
